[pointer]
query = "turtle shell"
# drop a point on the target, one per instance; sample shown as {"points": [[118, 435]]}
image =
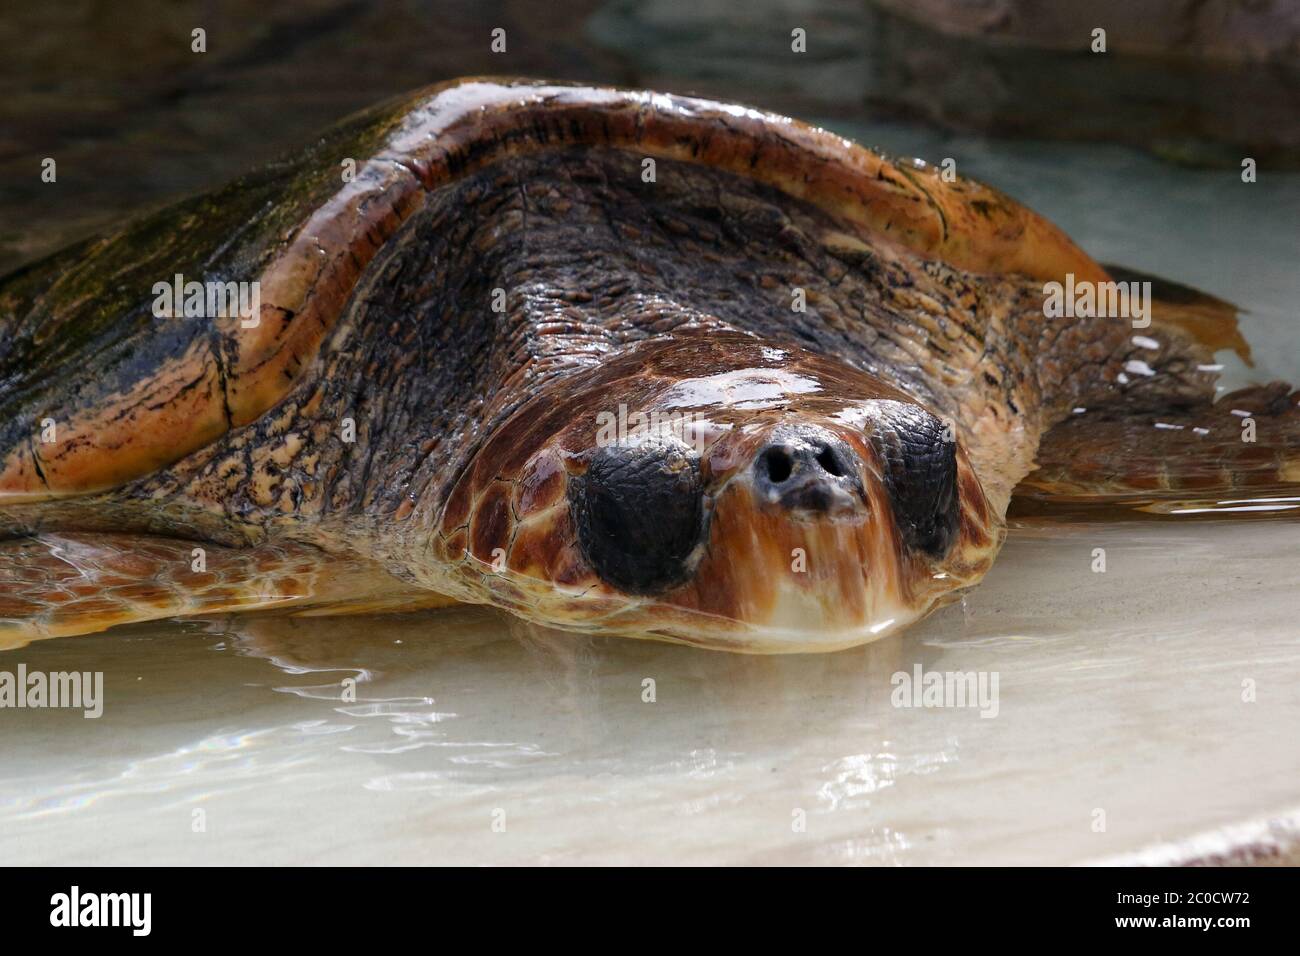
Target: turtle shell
{"points": [[100, 386]]}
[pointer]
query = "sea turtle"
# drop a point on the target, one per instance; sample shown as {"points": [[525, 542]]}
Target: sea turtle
{"points": [[615, 361]]}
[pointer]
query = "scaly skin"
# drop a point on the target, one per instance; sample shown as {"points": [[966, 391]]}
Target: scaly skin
{"points": [[308, 244], [474, 428]]}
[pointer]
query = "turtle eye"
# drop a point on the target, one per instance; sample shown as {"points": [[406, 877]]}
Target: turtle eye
{"points": [[639, 512], [918, 458]]}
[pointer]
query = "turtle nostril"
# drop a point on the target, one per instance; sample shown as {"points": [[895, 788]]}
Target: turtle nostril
{"points": [[777, 464], [830, 462], [807, 472]]}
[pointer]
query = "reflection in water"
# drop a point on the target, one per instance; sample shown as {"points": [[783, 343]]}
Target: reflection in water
{"points": [[590, 696], [1120, 690]]}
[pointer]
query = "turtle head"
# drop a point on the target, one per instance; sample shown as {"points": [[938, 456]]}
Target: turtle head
{"points": [[721, 492]]}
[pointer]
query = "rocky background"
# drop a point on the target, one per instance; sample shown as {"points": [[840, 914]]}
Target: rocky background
{"points": [[113, 92]]}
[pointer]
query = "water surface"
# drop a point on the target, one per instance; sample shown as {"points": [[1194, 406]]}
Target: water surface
{"points": [[1119, 691]]}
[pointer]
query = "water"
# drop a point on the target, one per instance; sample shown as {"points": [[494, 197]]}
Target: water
{"points": [[1119, 692]]}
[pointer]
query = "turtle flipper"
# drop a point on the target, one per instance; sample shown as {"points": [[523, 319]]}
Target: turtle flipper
{"points": [[1203, 318], [57, 585], [1230, 456], [1154, 437]]}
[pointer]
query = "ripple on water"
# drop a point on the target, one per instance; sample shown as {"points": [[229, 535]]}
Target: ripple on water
{"points": [[1121, 690]]}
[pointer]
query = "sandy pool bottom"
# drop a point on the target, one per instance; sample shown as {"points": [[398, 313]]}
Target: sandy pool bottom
{"points": [[1153, 702]]}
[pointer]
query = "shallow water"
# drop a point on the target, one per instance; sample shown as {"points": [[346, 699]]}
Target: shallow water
{"points": [[1119, 691]]}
